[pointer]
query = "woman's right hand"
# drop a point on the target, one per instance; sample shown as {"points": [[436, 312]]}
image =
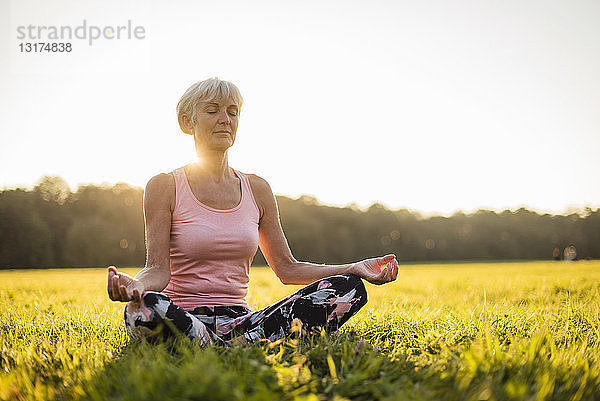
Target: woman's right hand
{"points": [[122, 287]]}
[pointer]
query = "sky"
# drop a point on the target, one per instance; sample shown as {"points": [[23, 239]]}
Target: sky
{"points": [[435, 106]]}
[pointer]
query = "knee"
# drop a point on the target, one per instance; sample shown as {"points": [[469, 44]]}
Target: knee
{"points": [[138, 321], [347, 283], [152, 302], [141, 319], [358, 284], [155, 301], [354, 281]]}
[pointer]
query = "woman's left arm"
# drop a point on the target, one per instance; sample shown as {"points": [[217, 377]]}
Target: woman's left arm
{"points": [[277, 252]]}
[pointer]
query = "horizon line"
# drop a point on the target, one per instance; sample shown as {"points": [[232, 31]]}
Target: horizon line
{"points": [[579, 209]]}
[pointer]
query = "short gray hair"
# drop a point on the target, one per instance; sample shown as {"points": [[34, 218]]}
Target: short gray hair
{"points": [[208, 90]]}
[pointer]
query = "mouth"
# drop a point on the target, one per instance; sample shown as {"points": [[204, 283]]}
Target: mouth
{"points": [[222, 132]]}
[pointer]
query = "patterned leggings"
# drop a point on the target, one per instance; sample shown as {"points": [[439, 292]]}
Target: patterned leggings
{"points": [[327, 303]]}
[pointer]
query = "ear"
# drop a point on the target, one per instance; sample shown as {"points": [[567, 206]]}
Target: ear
{"points": [[186, 125]]}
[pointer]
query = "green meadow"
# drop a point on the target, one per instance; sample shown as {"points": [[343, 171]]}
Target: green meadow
{"points": [[478, 331]]}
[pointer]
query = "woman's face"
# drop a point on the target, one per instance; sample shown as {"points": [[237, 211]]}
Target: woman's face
{"points": [[216, 124]]}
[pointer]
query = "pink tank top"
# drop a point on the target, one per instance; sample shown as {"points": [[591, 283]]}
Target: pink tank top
{"points": [[211, 249]]}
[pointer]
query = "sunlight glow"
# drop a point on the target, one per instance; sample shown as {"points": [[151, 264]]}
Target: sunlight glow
{"points": [[434, 107]]}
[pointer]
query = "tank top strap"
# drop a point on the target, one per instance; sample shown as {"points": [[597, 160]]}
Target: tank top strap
{"points": [[244, 182], [247, 194], [178, 175], [181, 188]]}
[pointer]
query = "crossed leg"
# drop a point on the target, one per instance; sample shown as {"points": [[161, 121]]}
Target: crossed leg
{"points": [[326, 303], [156, 318]]}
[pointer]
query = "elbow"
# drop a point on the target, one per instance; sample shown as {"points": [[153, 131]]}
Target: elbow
{"points": [[161, 275], [285, 272], [166, 277], [285, 280], [288, 281], [164, 284]]}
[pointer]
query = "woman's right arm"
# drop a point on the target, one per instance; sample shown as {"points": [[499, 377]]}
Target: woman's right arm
{"points": [[159, 199]]}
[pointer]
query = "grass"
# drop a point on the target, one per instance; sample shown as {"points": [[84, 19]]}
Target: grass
{"points": [[522, 331]]}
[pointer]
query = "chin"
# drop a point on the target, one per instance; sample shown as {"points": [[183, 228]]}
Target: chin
{"points": [[221, 146]]}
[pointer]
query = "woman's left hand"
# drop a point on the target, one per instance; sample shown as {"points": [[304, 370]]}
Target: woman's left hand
{"points": [[370, 269]]}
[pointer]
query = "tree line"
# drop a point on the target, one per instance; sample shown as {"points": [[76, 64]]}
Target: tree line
{"points": [[99, 225]]}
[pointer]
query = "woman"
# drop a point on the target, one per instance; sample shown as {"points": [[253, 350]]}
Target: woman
{"points": [[204, 223]]}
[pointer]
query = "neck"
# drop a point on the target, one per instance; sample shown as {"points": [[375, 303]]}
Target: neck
{"points": [[214, 164]]}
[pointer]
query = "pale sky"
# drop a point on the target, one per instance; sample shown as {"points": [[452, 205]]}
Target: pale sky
{"points": [[430, 105]]}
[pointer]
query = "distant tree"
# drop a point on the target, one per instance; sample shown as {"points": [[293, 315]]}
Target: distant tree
{"points": [[52, 195], [53, 189], [99, 225], [25, 238]]}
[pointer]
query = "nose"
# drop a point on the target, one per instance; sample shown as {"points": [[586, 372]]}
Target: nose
{"points": [[224, 117]]}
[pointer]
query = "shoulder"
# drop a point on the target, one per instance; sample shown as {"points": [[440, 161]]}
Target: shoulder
{"points": [[262, 193], [161, 182], [259, 185], [160, 190]]}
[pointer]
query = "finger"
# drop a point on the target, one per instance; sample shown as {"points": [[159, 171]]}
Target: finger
{"points": [[386, 258], [123, 292], [137, 297], [116, 282], [129, 293], [117, 286], [111, 272], [121, 289], [113, 283], [388, 273], [395, 270], [389, 276], [109, 289]]}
